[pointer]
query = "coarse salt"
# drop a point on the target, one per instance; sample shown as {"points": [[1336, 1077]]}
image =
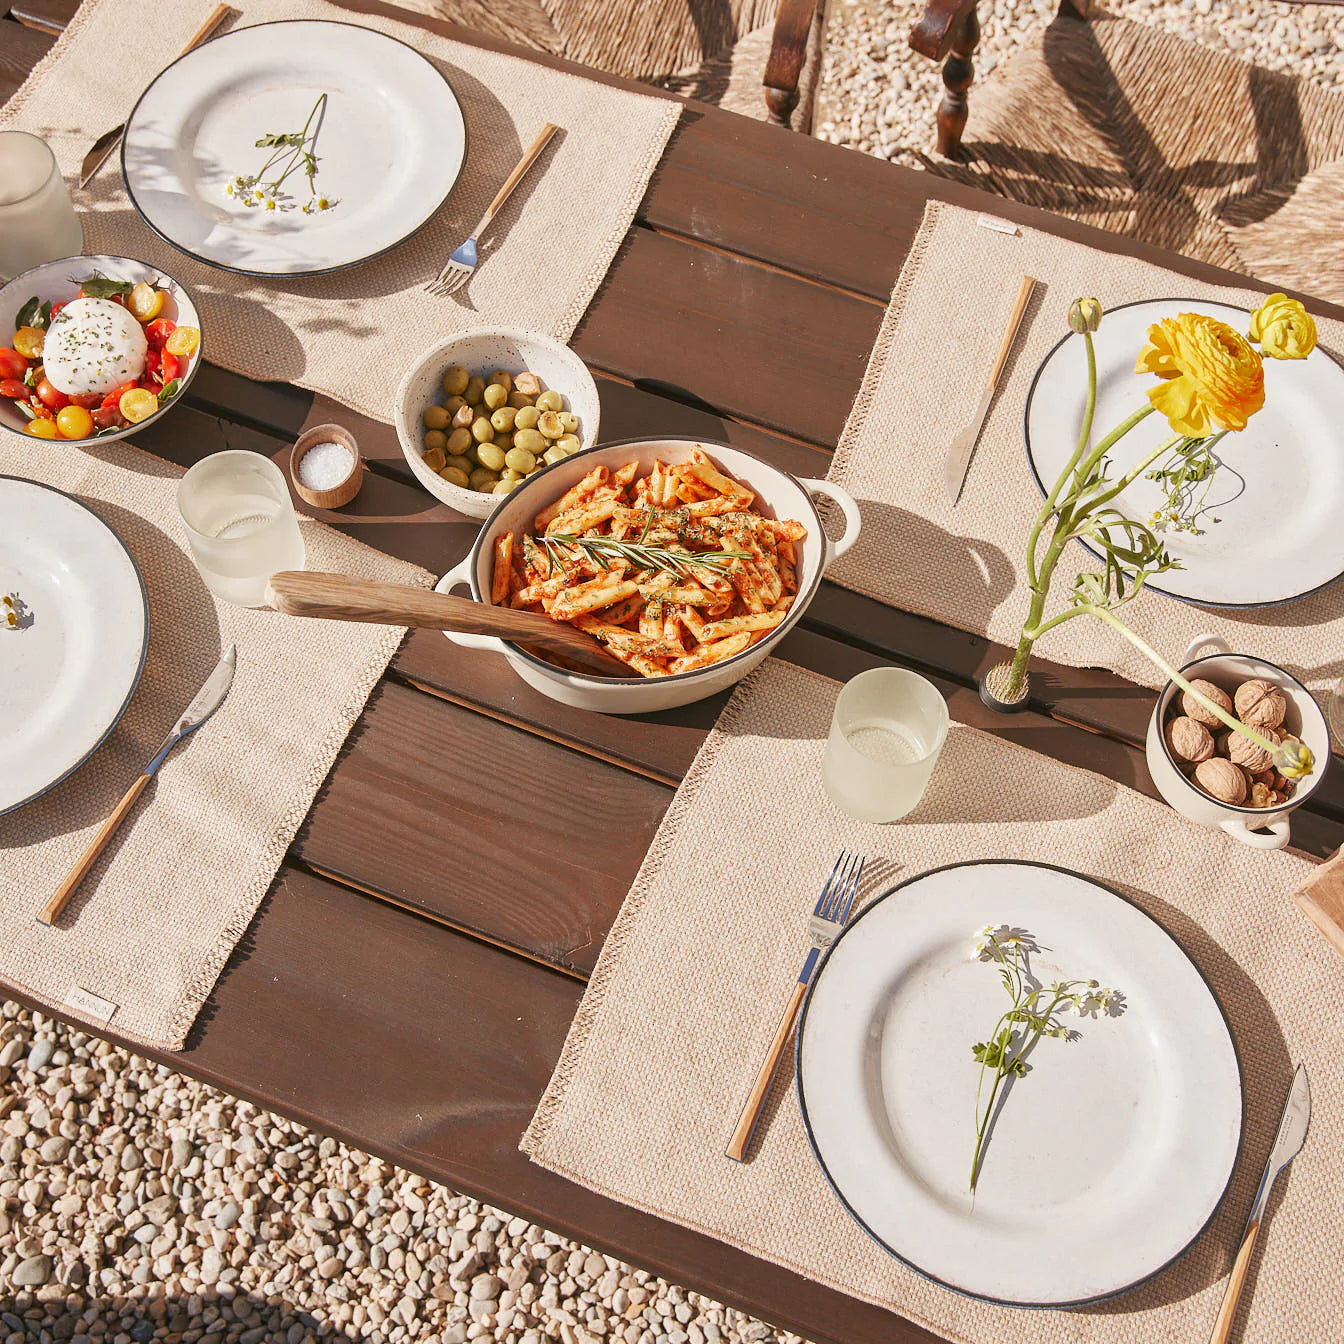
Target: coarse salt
{"points": [[325, 465]]}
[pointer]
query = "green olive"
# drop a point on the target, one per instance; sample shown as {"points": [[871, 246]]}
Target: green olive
{"points": [[529, 440], [527, 383], [474, 390], [455, 381], [483, 480], [508, 474], [550, 400], [570, 421], [554, 454], [549, 425], [454, 404], [502, 419], [505, 440], [570, 443], [463, 464], [494, 396], [464, 415], [526, 418], [459, 440], [503, 378], [435, 417], [502, 487], [519, 399], [482, 430], [521, 460], [435, 438], [490, 456], [457, 476]]}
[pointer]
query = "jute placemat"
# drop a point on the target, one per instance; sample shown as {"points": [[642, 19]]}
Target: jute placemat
{"points": [[353, 334], [686, 995], [154, 922], [965, 565]]}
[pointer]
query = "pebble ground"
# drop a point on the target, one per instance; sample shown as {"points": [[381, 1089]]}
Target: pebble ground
{"points": [[138, 1205]]}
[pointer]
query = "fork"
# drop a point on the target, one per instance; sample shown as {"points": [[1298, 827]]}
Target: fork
{"points": [[833, 909], [461, 264]]}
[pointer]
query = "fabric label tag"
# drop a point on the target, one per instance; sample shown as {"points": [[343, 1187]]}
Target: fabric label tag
{"points": [[998, 225], [89, 1004]]}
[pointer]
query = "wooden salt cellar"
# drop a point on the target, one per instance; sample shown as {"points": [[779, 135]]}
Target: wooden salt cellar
{"points": [[338, 495]]}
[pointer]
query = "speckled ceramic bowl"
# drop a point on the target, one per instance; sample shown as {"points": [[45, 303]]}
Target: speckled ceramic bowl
{"points": [[479, 352]]}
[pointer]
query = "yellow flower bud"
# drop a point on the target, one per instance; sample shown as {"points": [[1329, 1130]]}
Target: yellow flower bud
{"points": [[1294, 759], [1085, 315], [1284, 328]]}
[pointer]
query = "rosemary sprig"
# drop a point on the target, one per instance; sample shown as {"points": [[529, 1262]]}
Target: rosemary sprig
{"points": [[640, 553]]}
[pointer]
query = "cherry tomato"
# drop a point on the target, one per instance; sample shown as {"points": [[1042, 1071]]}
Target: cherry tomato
{"points": [[152, 358], [41, 429], [138, 405], [12, 364], [74, 422], [15, 388], [51, 396], [184, 341], [145, 302], [158, 332], [55, 308], [107, 416], [28, 341], [114, 397], [167, 368], [88, 400]]}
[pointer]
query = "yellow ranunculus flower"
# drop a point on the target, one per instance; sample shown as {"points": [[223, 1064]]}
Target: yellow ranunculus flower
{"points": [[1210, 374], [1284, 328]]}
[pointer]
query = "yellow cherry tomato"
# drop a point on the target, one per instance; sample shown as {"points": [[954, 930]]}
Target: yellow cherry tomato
{"points": [[184, 341], [41, 428], [74, 422], [138, 404], [145, 302], [28, 341]]}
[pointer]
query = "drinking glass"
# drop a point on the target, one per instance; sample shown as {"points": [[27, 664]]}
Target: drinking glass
{"points": [[240, 524], [37, 221], [887, 730]]}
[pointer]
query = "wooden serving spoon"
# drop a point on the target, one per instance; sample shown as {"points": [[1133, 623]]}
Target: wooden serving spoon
{"points": [[339, 597]]}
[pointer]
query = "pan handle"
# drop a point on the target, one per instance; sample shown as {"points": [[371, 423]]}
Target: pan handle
{"points": [[460, 577], [850, 510]]}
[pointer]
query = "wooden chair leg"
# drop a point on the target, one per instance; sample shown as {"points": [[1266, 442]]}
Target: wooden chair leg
{"points": [[958, 75], [788, 52]]}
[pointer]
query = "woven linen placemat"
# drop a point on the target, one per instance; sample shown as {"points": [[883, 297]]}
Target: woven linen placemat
{"points": [[686, 996], [353, 334], [964, 565], [155, 920]]}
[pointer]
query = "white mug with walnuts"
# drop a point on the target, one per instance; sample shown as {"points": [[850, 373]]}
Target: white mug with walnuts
{"points": [[1219, 778]]}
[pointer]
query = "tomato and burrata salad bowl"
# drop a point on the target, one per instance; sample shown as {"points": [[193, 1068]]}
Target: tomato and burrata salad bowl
{"points": [[93, 348]]}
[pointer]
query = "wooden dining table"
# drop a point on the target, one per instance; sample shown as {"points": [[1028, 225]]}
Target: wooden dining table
{"points": [[408, 982]]}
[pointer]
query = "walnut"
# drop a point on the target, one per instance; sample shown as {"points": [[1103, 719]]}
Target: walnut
{"points": [[1221, 780], [1188, 740], [1263, 796], [1251, 755], [1260, 704], [1200, 713]]}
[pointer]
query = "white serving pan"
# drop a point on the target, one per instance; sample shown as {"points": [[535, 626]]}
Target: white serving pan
{"points": [[778, 495]]}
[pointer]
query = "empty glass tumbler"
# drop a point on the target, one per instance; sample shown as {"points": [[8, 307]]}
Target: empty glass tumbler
{"points": [[240, 524], [887, 730], [37, 221]]}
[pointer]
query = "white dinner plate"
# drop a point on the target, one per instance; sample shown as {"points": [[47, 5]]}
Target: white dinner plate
{"points": [[1107, 1159], [1279, 493], [71, 668], [391, 145]]}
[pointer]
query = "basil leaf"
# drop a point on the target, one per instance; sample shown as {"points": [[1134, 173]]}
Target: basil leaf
{"points": [[170, 390], [26, 409], [101, 287], [28, 313], [111, 429]]}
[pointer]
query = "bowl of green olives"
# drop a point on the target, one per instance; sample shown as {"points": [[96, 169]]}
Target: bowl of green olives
{"points": [[479, 413]]}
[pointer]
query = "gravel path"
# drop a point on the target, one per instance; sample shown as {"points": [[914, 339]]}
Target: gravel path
{"points": [[878, 96], [138, 1205]]}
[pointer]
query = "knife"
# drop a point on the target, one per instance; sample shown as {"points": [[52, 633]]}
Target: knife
{"points": [[958, 460], [206, 701], [103, 146], [1287, 1144]]}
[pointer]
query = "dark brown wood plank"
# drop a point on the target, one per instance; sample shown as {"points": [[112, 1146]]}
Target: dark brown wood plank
{"points": [[492, 830], [432, 1051], [50, 16], [21, 48]]}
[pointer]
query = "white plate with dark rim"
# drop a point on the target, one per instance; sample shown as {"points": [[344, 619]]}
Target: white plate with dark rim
{"points": [[1107, 1160], [391, 145], [1279, 492], [71, 668]]}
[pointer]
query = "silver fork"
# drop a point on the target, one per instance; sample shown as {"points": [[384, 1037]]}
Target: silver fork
{"points": [[461, 264], [833, 909]]}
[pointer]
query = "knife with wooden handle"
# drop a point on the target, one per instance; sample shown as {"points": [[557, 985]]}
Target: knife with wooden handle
{"points": [[101, 149]]}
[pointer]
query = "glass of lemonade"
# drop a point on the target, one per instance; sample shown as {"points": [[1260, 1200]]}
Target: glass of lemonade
{"points": [[240, 524], [37, 221], [887, 730]]}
